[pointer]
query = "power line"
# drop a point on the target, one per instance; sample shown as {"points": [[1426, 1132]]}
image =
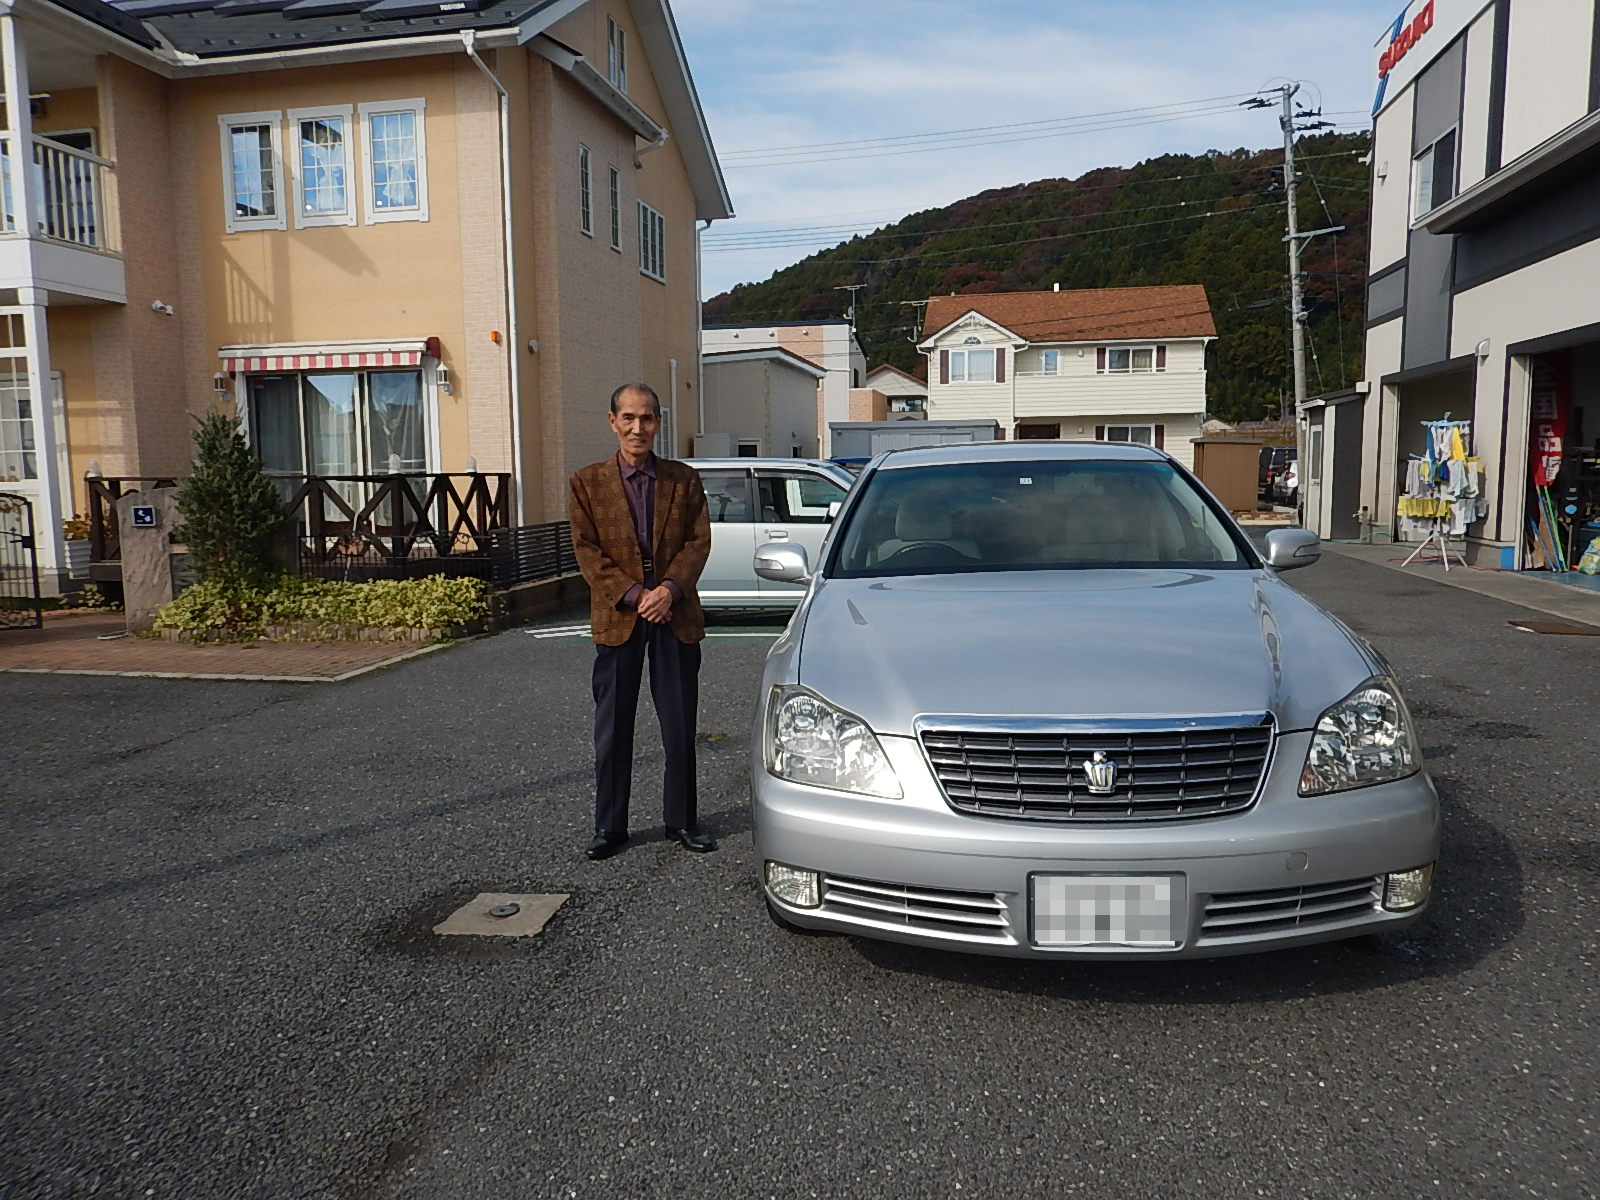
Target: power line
{"points": [[967, 143], [865, 143], [1025, 192]]}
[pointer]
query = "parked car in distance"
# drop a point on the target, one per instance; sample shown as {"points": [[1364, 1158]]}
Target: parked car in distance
{"points": [[1286, 484], [1273, 460], [1048, 700], [758, 500]]}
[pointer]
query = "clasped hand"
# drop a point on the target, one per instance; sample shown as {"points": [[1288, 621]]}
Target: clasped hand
{"points": [[655, 605]]}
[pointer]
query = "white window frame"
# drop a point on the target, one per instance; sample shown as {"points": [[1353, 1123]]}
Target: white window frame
{"points": [[958, 364], [1050, 362], [585, 191], [1423, 201], [616, 210], [371, 213], [652, 243], [617, 55], [1130, 369], [302, 219], [1149, 429], [226, 123]]}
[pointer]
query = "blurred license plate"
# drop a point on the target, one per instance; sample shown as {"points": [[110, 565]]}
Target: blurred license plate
{"points": [[1103, 910]]}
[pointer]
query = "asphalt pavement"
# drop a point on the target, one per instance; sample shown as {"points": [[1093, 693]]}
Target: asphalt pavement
{"points": [[217, 975]]}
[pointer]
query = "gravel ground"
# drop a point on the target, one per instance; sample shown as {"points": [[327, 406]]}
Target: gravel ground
{"points": [[219, 980]]}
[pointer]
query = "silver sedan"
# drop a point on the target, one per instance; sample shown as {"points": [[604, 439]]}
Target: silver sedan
{"points": [[1047, 700]]}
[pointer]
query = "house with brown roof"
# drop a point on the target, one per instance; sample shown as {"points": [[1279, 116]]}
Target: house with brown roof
{"points": [[1111, 364]]}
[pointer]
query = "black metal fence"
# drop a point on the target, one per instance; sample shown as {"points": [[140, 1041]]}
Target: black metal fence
{"points": [[528, 553], [19, 565]]}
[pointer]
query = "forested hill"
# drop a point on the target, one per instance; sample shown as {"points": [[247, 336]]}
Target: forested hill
{"points": [[1216, 219]]}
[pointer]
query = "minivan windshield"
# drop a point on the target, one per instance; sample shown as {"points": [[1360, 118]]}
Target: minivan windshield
{"points": [[1053, 514]]}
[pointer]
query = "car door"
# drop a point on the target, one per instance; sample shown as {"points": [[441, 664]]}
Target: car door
{"points": [[796, 506], [729, 579]]}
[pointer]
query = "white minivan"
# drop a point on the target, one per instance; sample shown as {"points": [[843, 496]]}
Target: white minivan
{"points": [[754, 501]]}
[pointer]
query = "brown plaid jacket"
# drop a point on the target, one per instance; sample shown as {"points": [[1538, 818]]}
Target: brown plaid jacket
{"points": [[608, 548]]}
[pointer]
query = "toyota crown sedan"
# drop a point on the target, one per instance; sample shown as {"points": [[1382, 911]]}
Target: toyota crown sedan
{"points": [[1047, 699]]}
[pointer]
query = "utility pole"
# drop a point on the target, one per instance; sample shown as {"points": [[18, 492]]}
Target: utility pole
{"points": [[1297, 313], [852, 288], [1292, 122]]}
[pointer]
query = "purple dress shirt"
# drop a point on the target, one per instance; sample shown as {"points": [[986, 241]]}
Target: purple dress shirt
{"points": [[639, 483]]}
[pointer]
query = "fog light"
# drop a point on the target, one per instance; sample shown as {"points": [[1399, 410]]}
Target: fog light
{"points": [[1407, 889], [793, 885]]}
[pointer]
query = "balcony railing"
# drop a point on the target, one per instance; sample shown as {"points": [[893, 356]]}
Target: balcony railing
{"points": [[68, 190]]}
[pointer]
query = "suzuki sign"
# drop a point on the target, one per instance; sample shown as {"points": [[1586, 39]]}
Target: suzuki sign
{"points": [[1415, 38]]}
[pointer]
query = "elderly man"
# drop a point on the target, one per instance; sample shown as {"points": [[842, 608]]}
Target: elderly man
{"points": [[642, 533]]}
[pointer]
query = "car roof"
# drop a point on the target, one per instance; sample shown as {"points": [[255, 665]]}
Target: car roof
{"points": [[763, 462], [1028, 451]]}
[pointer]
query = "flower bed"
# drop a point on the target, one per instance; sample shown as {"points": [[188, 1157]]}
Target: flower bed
{"points": [[297, 609]]}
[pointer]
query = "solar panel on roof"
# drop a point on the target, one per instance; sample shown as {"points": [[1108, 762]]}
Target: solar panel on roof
{"points": [[162, 8], [246, 8], [393, 10], [301, 9]]}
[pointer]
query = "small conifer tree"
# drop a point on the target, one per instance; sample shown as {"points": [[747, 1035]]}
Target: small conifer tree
{"points": [[231, 510]]}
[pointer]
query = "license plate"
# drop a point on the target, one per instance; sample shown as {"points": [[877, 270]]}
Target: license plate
{"points": [[1104, 910]]}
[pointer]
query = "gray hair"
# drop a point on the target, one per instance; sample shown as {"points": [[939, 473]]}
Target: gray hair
{"points": [[642, 388]]}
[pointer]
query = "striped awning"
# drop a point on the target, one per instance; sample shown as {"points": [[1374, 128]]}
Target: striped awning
{"points": [[246, 359]]}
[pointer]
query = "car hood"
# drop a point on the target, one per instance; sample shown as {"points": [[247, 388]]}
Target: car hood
{"points": [[1092, 643]]}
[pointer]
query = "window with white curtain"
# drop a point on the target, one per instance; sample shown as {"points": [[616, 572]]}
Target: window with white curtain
{"points": [[322, 174], [395, 156]]}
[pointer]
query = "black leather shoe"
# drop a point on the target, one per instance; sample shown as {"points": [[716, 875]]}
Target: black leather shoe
{"points": [[605, 845], [692, 839]]}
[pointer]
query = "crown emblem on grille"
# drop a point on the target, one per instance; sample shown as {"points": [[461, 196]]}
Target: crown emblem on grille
{"points": [[1101, 773]]}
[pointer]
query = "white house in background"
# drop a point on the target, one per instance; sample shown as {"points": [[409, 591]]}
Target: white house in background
{"points": [[1114, 364], [759, 402], [905, 392], [831, 345]]}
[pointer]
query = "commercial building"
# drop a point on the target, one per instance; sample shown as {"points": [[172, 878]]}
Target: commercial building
{"points": [[1483, 292]]}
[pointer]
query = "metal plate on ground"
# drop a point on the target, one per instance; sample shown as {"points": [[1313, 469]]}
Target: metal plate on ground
{"points": [[1095, 911], [1555, 627], [525, 915]]}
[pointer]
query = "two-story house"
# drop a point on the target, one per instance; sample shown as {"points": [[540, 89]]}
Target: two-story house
{"points": [[407, 235], [1112, 364], [1483, 288]]}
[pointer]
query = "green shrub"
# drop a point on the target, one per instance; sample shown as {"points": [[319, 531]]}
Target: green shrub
{"points": [[231, 510], [432, 602]]}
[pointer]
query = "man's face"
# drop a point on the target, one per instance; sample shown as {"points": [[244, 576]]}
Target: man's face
{"points": [[635, 423]]}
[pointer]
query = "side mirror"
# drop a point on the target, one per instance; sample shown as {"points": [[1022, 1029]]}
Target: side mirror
{"points": [[783, 562], [833, 509], [1290, 548]]}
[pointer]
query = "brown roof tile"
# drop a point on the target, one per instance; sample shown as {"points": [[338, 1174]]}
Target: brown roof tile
{"points": [[1084, 315]]}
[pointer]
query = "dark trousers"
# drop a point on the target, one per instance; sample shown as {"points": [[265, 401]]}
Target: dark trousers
{"points": [[675, 688]]}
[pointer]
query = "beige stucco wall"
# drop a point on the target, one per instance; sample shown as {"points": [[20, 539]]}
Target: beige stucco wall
{"points": [[1547, 71], [1391, 184]]}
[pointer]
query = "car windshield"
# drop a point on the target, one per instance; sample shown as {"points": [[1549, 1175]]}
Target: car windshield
{"points": [[1030, 516]]}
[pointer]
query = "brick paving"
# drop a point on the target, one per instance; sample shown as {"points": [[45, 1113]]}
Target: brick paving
{"points": [[79, 643]]}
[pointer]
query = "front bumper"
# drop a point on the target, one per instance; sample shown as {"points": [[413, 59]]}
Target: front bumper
{"points": [[1290, 870]]}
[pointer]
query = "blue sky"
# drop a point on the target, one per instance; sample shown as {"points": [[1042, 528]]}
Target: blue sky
{"points": [[773, 75]]}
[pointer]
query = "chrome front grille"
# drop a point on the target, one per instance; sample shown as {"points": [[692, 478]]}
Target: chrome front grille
{"points": [[974, 916], [1230, 915], [1160, 774]]}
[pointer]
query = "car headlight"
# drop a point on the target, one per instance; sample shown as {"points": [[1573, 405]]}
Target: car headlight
{"points": [[811, 741], [1366, 738]]}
